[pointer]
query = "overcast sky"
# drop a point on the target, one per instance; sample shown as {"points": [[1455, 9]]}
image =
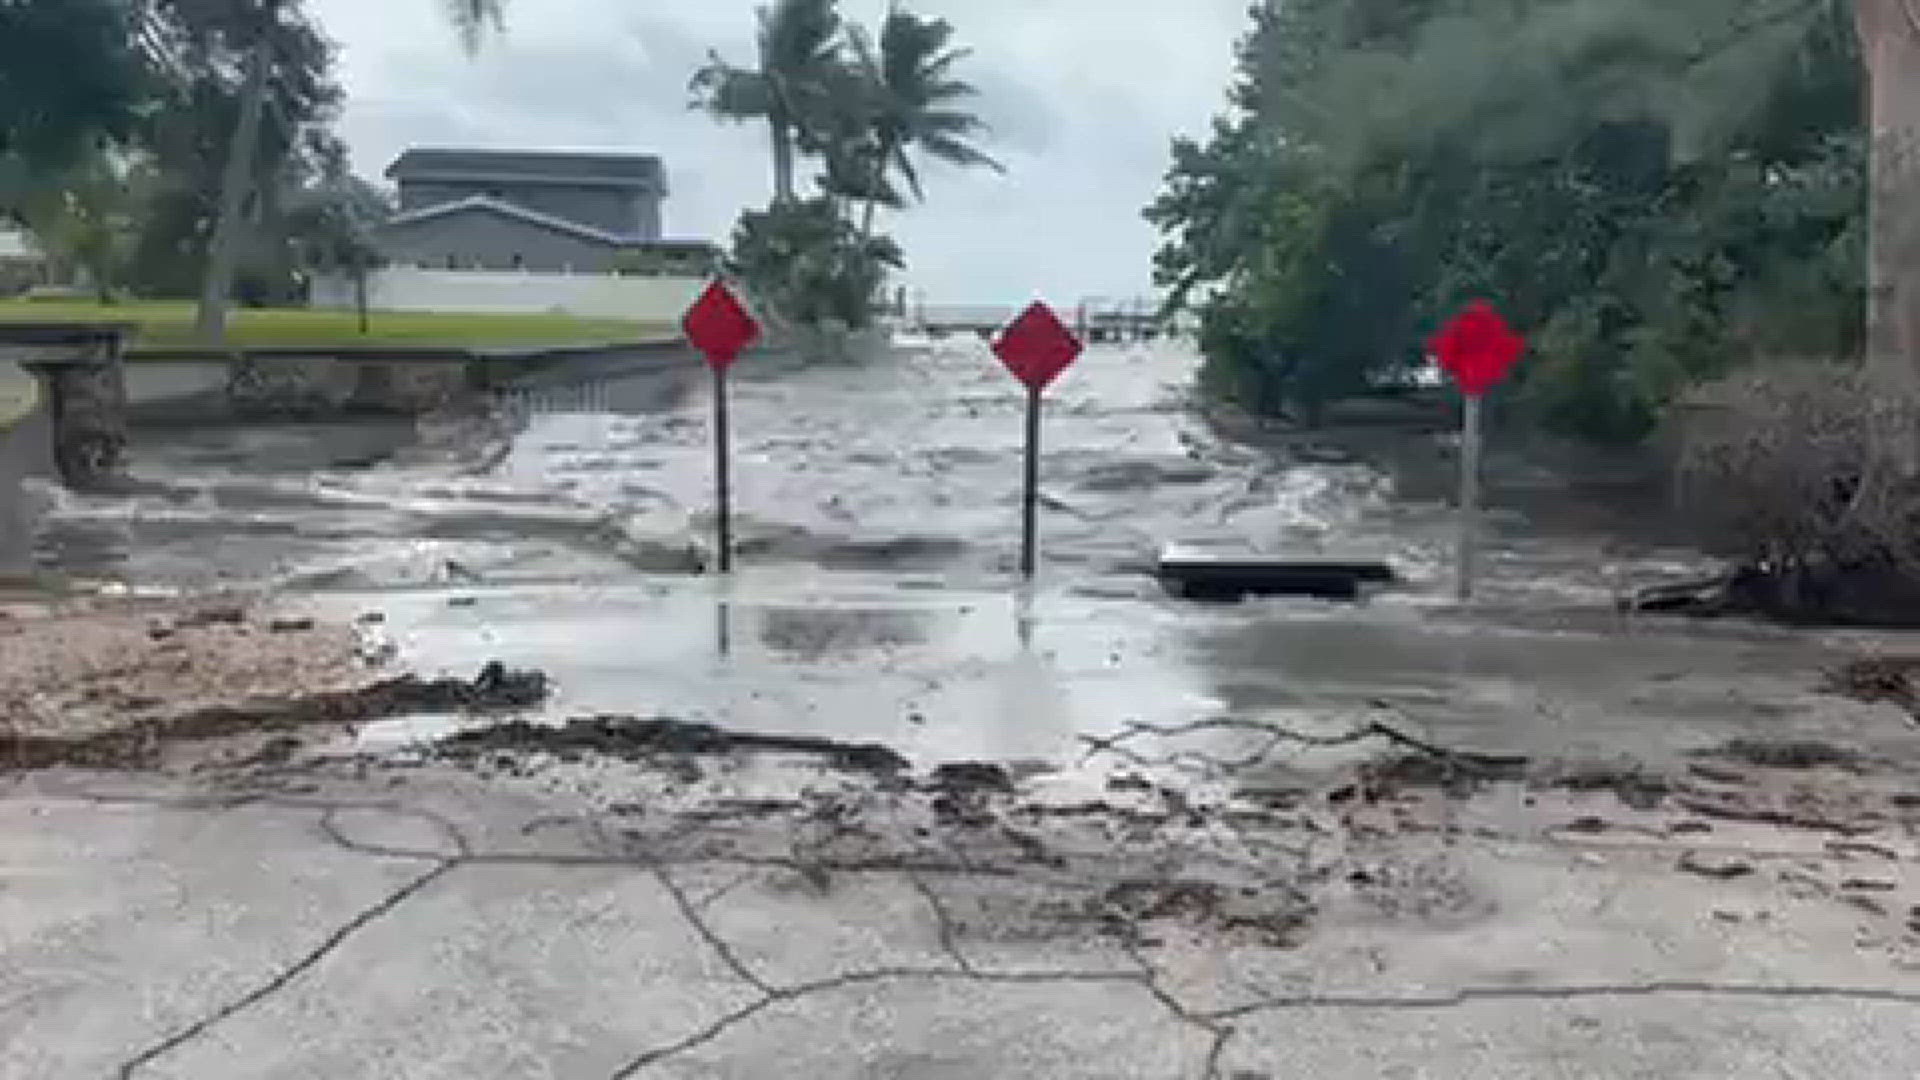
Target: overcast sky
{"points": [[1082, 95]]}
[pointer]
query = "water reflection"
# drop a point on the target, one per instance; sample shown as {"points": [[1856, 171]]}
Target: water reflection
{"points": [[819, 633], [1550, 684]]}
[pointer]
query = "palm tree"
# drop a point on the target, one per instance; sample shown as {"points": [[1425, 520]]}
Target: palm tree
{"points": [[914, 102], [474, 19], [471, 18], [799, 45]]}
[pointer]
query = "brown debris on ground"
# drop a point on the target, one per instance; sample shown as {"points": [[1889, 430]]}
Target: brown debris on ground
{"points": [[631, 738], [1878, 678], [105, 683], [494, 690], [77, 669], [1793, 754]]}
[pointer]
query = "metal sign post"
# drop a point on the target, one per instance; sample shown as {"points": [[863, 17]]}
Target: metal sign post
{"points": [[1469, 494], [1036, 348], [1478, 349], [1030, 507], [722, 473], [719, 326]]}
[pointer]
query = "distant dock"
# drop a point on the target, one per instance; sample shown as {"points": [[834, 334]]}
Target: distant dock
{"points": [[1093, 322]]}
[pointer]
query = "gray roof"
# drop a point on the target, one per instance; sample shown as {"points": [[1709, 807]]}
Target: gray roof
{"points": [[642, 171]]}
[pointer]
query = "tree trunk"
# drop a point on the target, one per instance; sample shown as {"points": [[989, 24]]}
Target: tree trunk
{"points": [[873, 200], [782, 134], [1890, 47], [882, 155], [223, 251]]}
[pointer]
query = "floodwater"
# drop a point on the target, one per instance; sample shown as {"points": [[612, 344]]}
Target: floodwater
{"points": [[877, 511]]}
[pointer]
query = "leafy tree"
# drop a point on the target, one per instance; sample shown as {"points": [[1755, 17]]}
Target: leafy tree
{"points": [[915, 103], [475, 19], [193, 135], [329, 228], [88, 220], [71, 81], [1644, 186], [269, 42], [809, 265], [800, 54], [865, 113]]}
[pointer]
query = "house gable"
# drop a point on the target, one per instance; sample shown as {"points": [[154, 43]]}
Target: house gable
{"points": [[618, 194], [481, 233]]}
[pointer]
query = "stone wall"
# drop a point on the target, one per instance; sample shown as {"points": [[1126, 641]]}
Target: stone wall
{"points": [[87, 404], [308, 386], [79, 382], [25, 452]]}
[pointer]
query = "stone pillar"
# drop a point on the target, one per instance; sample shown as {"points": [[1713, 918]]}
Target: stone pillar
{"points": [[24, 450], [84, 392]]}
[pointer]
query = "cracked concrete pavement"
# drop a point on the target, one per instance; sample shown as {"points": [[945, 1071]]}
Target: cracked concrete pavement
{"points": [[381, 917]]}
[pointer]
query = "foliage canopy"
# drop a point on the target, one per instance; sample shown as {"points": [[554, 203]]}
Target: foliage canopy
{"points": [[1652, 191]]}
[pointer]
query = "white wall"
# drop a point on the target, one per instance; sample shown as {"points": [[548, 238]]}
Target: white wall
{"points": [[608, 296]]}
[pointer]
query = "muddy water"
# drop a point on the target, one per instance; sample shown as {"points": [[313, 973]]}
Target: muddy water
{"points": [[878, 510]]}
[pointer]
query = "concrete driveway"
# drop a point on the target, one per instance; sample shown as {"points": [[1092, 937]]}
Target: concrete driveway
{"points": [[533, 916]]}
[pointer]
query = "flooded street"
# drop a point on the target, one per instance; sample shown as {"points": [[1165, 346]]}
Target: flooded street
{"points": [[871, 792], [877, 514]]}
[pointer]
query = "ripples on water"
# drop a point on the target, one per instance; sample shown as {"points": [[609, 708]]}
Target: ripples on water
{"points": [[908, 467]]}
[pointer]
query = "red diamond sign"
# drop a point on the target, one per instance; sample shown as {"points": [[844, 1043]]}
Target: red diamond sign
{"points": [[1477, 348], [719, 325], [1037, 347]]}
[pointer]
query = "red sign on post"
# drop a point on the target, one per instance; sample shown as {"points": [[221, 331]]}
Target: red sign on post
{"points": [[1037, 347], [1477, 348], [719, 325]]}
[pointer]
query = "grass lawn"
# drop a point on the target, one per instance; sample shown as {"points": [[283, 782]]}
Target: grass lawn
{"points": [[168, 324]]}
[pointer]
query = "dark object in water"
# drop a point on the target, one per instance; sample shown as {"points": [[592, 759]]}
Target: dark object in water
{"points": [[972, 776], [1875, 594], [1200, 577], [1702, 597], [630, 738], [1875, 679]]}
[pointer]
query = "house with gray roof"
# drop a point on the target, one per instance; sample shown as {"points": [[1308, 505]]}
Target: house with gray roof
{"points": [[528, 210]]}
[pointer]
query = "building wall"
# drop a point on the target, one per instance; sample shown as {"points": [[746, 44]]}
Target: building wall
{"points": [[616, 210], [477, 239], [603, 296], [19, 274]]}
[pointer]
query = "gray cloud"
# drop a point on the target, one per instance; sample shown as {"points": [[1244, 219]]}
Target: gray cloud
{"points": [[1082, 96]]}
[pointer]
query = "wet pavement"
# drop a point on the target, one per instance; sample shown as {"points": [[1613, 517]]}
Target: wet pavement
{"points": [[963, 675]]}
